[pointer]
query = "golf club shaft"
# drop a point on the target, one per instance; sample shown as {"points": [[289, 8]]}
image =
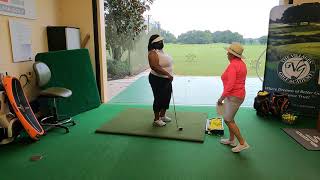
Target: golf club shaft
{"points": [[174, 108]]}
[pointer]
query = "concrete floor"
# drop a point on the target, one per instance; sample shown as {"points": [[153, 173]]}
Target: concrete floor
{"points": [[190, 89], [117, 86]]}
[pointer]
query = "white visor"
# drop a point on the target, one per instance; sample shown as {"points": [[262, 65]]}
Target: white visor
{"points": [[157, 39]]}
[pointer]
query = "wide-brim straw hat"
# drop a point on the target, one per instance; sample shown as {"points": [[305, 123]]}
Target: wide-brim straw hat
{"points": [[236, 49]]}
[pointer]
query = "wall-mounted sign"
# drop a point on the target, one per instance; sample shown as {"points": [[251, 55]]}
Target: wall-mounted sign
{"points": [[18, 8]]}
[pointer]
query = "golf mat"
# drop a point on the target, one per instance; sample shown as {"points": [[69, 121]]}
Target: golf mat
{"points": [[138, 122], [308, 138]]}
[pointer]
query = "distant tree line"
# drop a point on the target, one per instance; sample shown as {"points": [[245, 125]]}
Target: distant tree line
{"points": [[304, 13], [206, 37]]}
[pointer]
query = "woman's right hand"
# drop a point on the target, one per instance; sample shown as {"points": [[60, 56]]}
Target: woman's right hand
{"points": [[220, 101]]}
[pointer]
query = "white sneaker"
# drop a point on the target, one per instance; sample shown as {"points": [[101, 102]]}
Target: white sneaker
{"points": [[228, 142], [165, 119], [240, 147], [159, 123]]}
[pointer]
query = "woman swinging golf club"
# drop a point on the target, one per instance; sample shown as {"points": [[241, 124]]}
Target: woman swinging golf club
{"points": [[160, 79], [233, 79]]}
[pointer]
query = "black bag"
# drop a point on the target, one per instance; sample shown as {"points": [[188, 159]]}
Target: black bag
{"points": [[279, 104], [262, 103]]}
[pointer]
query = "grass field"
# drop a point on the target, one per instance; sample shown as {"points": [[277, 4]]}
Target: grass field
{"points": [[198, 59], [211, 59]]}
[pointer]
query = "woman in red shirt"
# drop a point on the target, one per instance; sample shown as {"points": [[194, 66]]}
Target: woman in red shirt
{"points": [[233, 79]]}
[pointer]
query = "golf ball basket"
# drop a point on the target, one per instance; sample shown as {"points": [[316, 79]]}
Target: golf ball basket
{"points": [[214, 126]]}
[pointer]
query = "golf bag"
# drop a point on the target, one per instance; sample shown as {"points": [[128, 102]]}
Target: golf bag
{"points": [[279, 104], [262, 103], [276, 104]]}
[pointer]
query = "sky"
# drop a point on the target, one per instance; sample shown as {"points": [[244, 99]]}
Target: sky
{"points": [[250, 18]]}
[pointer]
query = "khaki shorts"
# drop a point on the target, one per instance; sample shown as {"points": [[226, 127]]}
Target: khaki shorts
{"points": [[231, 105]]}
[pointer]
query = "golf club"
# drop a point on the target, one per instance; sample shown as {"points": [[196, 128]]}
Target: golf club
{"points": [[175, 113]]}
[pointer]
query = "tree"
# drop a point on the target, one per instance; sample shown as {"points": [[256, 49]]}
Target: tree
{"points": [[124, 21], [206, 37], [227, 37], [304, 13], [249, 41], [263, 40], [168, 37], [195, 37]]}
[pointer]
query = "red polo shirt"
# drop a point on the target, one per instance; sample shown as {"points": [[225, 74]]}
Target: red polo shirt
{"points": [[234, 78]]}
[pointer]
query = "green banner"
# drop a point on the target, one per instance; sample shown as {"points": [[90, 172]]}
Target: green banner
{"points": [[293, 56]]}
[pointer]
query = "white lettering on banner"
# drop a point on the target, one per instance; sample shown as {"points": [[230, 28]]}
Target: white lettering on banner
{"points": [[305, 92], [286, 90], [304, 97], [292, 95], [307, 139], [270, 88]]}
